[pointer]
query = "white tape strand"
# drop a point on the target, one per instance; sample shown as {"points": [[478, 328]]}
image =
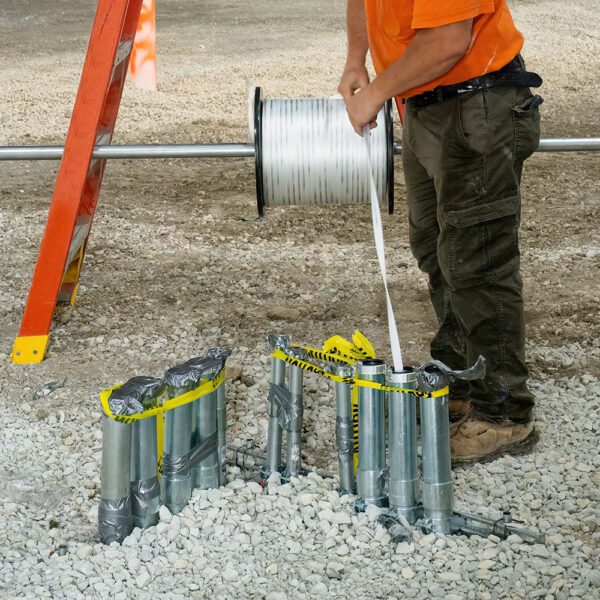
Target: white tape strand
{"points": [[380, 247]]}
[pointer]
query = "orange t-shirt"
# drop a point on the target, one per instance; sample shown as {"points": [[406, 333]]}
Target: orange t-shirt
{"points": [[495, 40]]}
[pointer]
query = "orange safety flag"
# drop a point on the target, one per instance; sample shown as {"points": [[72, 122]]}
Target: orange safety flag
{"points": [[142, 64]]}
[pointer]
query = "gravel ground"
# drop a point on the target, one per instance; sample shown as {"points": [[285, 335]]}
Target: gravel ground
{"points": [[178, 263]]}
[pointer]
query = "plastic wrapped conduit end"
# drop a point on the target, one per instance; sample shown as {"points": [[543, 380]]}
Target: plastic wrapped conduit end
{"points": [[115, 520], [206, 366], [145, 502], [277, 341], [182, 378], [137, 394], [435, 375], [220, 352]]}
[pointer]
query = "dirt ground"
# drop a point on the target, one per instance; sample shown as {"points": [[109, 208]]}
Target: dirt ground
{"points": [[178, 261]]}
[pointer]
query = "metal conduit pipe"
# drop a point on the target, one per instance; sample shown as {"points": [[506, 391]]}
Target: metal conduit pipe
{"points": [[10, 153], [370, 475]]}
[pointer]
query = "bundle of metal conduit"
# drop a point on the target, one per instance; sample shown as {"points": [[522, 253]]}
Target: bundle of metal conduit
{"points": [[385, 476], [194, 446]]}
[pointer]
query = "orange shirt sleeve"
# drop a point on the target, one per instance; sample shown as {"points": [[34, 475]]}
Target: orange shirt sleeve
{"points": [[429, 13]]}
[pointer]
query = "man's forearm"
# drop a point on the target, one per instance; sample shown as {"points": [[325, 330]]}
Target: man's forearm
{"points": [[356, 27], [431, 53]]}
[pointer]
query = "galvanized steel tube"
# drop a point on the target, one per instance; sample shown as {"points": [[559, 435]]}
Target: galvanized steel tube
{"points": [[344, 431], [176, 476], [205, 474], [177, 488], [133, 151], [145, 489], [274, 432], [370, 475], [293, 430], [138, 151], [222, 432], [437, 470], [115, 520], [403, 479]]}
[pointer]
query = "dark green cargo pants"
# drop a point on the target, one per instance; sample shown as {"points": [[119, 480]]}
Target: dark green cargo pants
{"points": [[462, 165]]}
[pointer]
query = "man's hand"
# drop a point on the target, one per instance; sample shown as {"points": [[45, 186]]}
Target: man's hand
{"points": [[362, 109], [354, 77]]}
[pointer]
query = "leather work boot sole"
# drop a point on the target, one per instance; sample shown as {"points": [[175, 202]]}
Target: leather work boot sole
{"points": [[478, 441]]}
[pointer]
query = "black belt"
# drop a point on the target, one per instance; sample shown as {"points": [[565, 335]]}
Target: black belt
{"points": [[510, 75]]}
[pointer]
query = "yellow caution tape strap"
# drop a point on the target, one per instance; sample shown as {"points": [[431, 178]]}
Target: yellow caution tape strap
{"points": [[340, 350], [202, 390], [306, 366], [325, 356]]}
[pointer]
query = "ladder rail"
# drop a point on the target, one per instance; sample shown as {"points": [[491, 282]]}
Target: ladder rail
{"points": [[79, 177]]}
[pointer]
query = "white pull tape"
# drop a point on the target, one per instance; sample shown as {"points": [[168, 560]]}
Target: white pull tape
{"points": [[380, 247]]}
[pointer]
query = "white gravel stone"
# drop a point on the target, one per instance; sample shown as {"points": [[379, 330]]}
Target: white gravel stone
{"points": [[165, 514], [373, 512], [230, 574]]}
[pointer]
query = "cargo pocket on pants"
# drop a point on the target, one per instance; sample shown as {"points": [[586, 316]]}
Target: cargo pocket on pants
{"points": [[526, 121], [482, 241]]}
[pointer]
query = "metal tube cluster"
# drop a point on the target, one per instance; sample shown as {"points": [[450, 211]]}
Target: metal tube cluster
{"points": [[194, 446], [429, 500], [383, 479]]}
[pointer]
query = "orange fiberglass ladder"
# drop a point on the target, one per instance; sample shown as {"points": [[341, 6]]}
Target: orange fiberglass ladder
{"points": [[63, 245]]}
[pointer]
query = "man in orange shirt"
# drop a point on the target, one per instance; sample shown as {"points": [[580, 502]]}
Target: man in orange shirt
{"points": [[469, 124]]}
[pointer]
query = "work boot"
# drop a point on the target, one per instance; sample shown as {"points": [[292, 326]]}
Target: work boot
{"points": [[479, 441], [459, 408]]}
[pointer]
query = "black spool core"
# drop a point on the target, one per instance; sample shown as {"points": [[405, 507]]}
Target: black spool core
{"points": [[260, 192], [371, 362], [389, 130]]}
